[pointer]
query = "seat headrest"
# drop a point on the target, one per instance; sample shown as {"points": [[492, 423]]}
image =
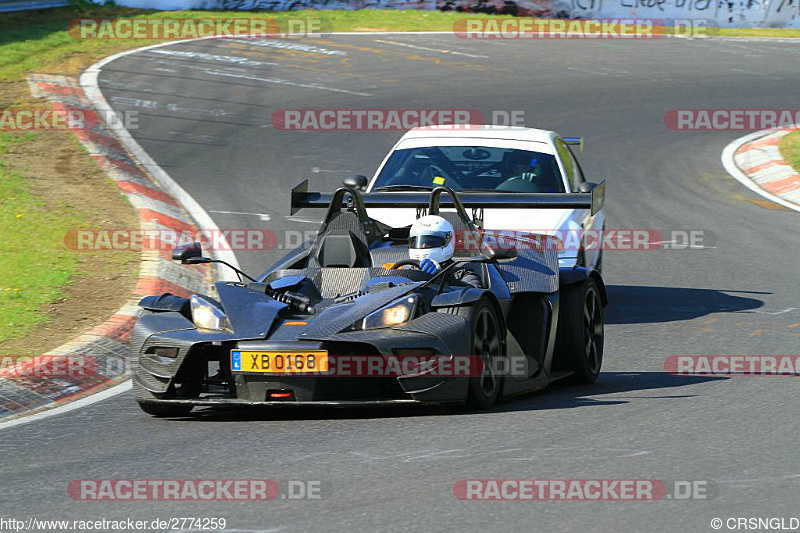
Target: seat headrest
{"points": [[338, 249]]}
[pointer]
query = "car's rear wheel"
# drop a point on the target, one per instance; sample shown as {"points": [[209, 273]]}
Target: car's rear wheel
{"points": [[488, 344], [580, 337]]}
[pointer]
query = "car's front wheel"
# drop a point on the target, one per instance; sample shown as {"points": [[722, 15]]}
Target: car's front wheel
{"points": [[488, 344]]}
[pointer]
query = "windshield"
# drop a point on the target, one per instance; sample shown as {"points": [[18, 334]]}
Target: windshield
{"points": [[471, 168]]}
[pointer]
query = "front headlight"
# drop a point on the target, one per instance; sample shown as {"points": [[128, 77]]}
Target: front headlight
{"points": [[397, 312], [207, 314]]}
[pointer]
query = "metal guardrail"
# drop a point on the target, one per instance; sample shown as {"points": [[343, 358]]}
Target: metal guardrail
{"points": [[7, 6]]}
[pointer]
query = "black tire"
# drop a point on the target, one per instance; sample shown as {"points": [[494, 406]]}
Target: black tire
{"points": [[488, 342], [580, 336]]}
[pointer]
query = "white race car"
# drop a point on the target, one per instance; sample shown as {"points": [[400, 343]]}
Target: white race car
{"points": [[504, 160]]}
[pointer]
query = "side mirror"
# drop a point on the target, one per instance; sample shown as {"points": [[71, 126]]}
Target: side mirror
{"points": [[357, 182], [586, 186], [503, 255], [189, 253]]}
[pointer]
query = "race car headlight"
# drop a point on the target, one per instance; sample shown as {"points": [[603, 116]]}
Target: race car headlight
{"points": [[397, 312], [207, 314]]}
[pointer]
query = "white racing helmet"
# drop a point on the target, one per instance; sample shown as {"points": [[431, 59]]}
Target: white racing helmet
{"points": [[431, 237]]}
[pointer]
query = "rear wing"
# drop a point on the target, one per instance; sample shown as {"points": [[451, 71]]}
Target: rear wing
{"points": [[574, 141], [593, 200]]}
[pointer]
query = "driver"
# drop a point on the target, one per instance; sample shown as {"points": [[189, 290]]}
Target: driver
{"points": [[525, 167], [431, 241]]}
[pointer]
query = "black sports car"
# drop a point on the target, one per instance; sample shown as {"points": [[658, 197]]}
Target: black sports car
{"points": [[347, 319]]}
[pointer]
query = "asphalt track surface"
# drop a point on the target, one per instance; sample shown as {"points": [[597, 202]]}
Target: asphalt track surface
{"points": [[206, 121]]}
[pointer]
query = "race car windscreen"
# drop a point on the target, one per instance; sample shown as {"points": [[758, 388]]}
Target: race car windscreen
{"points": [[471, 168]]}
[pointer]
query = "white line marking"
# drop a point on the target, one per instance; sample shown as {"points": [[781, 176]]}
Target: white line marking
{"points": [[88, 81], [303, 220], [741, 177], [196, 137], [71, 406], [588, 71], [286, 45], [279, 81], [753, 73], [317, 170], [776, 312], [425, 48], [685, 247], [169, 106], [263, 216], [236, 60]]}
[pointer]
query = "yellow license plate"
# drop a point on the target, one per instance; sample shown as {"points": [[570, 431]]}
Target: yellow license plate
{"points": [[279, 362]]}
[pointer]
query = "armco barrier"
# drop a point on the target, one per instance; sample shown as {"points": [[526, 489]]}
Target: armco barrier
{"points": [[7, 6]]}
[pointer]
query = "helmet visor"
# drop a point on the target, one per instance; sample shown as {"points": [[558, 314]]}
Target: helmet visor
{"points": [[428, 241]]}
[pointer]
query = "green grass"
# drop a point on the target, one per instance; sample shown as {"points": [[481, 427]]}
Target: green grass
{"points": [[38, 41], [759, 32], [790, 149], [34, 263]]}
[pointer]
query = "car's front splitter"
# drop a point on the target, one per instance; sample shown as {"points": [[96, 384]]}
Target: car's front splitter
{"points": [[233, 402]]}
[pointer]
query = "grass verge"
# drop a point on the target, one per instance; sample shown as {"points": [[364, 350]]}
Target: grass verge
{"points": [[50, 293], [790, 149], [34, 264]]}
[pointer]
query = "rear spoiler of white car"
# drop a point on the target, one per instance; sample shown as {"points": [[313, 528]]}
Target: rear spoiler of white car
{"points": [[574, 141], [593, 199]]}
